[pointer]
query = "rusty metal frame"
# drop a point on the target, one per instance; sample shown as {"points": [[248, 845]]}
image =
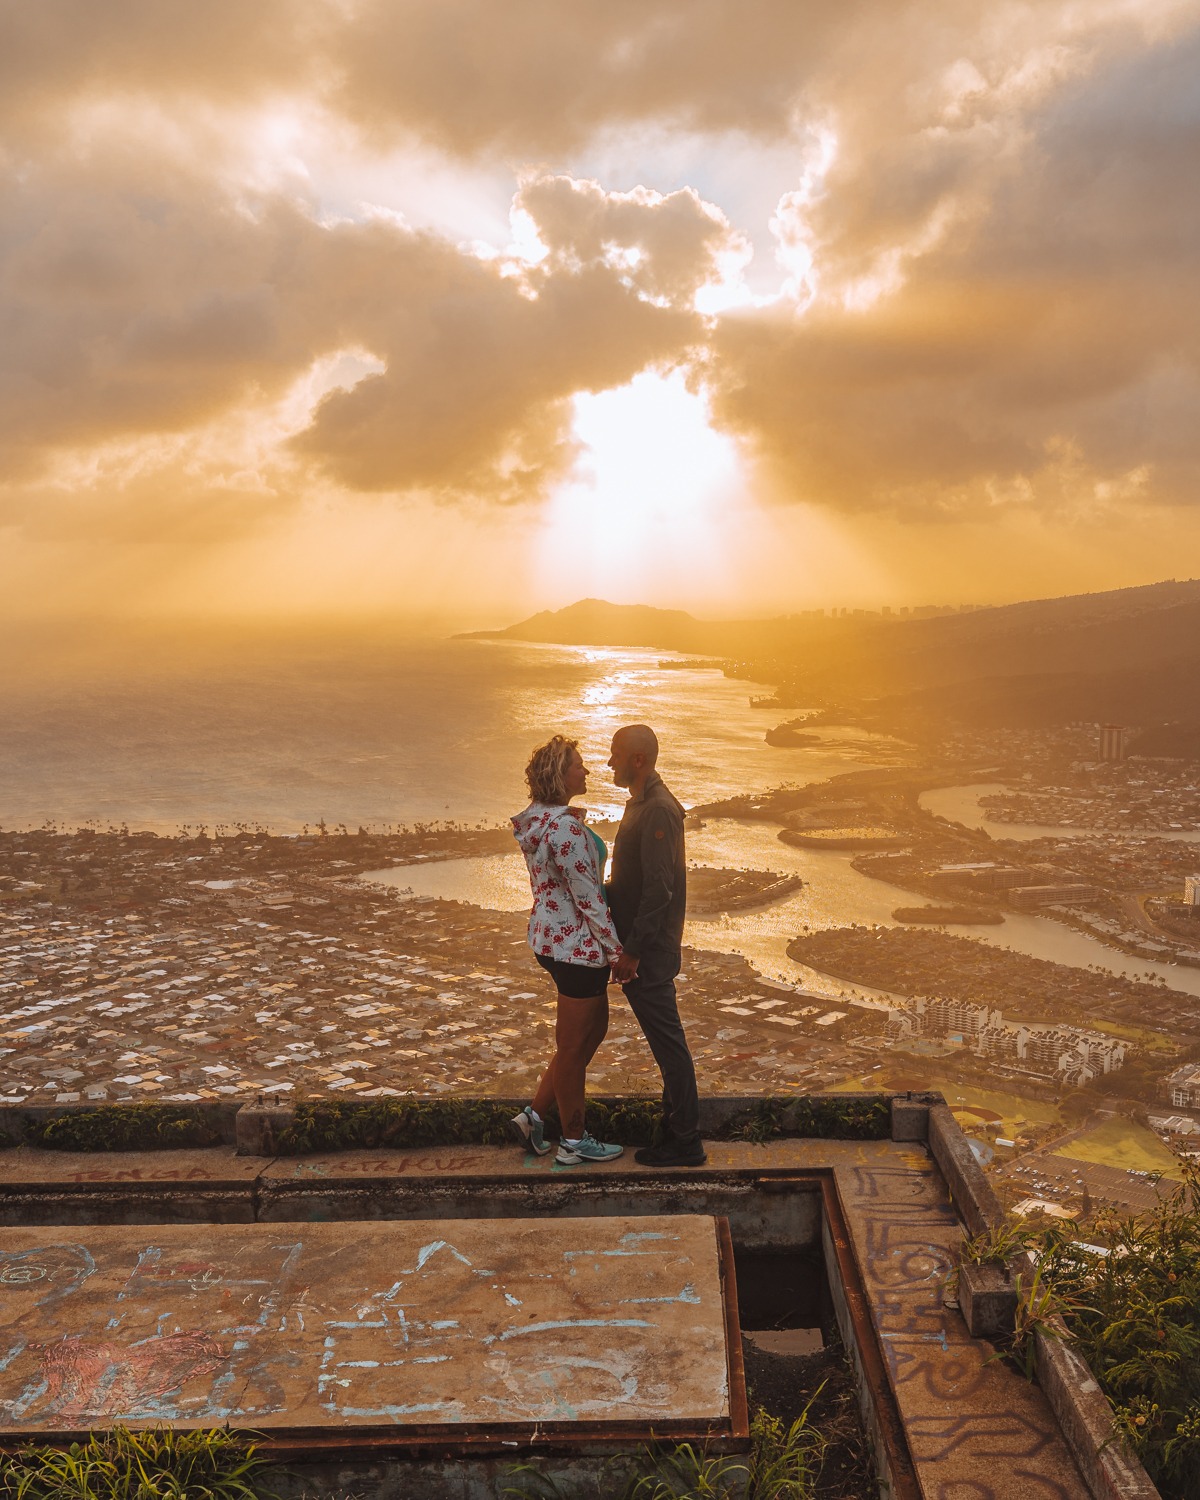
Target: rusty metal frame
{"points": [[739, 1406], [901, 1469]]}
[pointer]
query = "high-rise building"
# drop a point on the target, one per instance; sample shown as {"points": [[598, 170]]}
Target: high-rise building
{"points": [[1191, 890], [1112, 741], [1183, 1086]]}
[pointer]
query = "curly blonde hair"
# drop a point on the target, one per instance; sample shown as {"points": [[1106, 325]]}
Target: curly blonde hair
{"points": [[546, 768]]}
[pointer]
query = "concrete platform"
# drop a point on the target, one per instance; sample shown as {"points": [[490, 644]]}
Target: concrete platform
{"points": [[470, 1326], [969, 1425]]}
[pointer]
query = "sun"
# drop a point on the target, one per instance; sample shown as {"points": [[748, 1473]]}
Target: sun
{"points": [[643, 515]]}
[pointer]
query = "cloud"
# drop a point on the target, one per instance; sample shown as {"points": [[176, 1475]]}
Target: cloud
{"points": [[482, 356], [665, 247], [141, 300], [984, 303], [61, 54], [529, 81], [1003, 314]]}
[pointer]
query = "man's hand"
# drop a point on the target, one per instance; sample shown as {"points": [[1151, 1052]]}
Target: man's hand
{"points": [[625, 968]]}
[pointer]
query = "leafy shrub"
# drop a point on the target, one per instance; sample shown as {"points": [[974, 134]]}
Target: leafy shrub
{"points": [[124, 1127], [995, 1246], [340, 1125], [784, 1463], [337, 1125], [1133, 1315], [854, 1117]]}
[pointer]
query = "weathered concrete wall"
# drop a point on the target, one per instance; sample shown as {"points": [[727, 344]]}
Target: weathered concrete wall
{"points": [[1086, 1417], [970, 1191]]}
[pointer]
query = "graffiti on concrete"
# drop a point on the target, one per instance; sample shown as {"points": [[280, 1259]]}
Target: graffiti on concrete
{"points": [[966, 1418], [411, 1321]]}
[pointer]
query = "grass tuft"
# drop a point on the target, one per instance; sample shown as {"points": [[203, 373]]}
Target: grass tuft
{"points": [[154, 1464]]}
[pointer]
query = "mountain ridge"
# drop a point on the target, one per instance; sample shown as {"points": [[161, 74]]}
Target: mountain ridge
{"points": [[1111, 653]]}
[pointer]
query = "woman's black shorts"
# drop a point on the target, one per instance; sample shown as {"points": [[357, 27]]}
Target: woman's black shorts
{"points": [[576, 981]]}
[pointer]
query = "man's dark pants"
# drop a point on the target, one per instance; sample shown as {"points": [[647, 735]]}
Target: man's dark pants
{"points": [[651, 996]]}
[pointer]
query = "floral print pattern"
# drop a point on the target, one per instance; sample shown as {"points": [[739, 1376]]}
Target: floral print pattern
{"points": [[570, 920]]}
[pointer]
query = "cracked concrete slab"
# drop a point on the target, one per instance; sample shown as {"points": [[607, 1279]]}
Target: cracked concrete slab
{"points": [[265, 1326]]}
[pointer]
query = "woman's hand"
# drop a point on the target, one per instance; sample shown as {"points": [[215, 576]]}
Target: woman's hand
{"points": [[624, 968]]}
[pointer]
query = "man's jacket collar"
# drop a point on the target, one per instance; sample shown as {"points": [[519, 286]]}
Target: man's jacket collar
{"points": [[653, 780]]}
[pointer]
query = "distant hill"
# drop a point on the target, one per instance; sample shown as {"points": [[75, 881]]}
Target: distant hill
{"points": [[1129, 655], [595, 622]]}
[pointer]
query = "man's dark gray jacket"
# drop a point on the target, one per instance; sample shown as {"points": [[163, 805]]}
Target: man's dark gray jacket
{"points": [[648, 890]]}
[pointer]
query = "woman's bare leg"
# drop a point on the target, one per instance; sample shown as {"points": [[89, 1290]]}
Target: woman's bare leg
{"points": [[544, 1097], [580, 1028]]}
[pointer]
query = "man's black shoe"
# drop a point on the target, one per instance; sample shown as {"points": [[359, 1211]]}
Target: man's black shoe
{"points": [[673, 1152]]}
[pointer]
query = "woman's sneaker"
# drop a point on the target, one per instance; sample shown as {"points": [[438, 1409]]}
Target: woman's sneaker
{"points": [[529, 1132], [587, 1149]]}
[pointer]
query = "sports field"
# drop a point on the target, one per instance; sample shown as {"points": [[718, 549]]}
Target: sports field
{"points": [[1121, 1143], [974, 1106]]}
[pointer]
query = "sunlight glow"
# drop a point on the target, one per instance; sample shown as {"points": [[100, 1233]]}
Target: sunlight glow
{"points": [[649, 503]]}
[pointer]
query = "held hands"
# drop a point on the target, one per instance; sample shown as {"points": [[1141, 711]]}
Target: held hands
{"points": [[624, 968]]}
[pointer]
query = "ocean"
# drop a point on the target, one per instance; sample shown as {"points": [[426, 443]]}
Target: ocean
{"points": [[285, 732], [376, 730]]}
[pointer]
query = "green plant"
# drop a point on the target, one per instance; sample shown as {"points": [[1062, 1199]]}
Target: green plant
{"points": [[531, 1483], [124, 1127], [684, 1472], [761, 1123], [858, 1117], [1133, 1315], [629, 1122], [994, 1246], [785, 1463], [331, 1125], [1039, 1307], [156, 1464], [336, 1125]]}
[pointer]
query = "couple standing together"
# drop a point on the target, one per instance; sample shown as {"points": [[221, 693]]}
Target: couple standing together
{"points": [[582, 931]]}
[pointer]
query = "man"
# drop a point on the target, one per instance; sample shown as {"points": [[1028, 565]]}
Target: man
{"points": [[647, 895]]}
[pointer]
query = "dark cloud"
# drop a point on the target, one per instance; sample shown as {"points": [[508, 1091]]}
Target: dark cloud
{"points": [[135, 298], [66, 52], [482, 357], [526, 80], [1041, 347], [140, 301]]}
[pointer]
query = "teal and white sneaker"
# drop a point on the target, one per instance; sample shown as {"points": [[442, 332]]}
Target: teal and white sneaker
{"points": [[529, 1131], [587, 1149]]}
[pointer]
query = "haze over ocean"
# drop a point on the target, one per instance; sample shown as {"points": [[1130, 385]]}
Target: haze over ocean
{"points": [[284, 733]]}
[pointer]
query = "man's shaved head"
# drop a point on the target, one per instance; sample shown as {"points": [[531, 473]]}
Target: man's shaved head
{"points": [[634, 751], [639, 739]]}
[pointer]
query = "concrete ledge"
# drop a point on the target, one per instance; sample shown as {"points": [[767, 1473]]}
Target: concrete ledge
{"points": [[259, 1126], [970, 1191], [1110, 1471], [987, 1300], [910, 1116]]}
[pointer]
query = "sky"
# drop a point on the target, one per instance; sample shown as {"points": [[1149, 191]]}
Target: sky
{"points": [[465, 309]]}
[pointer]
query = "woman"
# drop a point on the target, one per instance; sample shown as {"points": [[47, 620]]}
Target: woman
{"points": [[572, 937]]}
